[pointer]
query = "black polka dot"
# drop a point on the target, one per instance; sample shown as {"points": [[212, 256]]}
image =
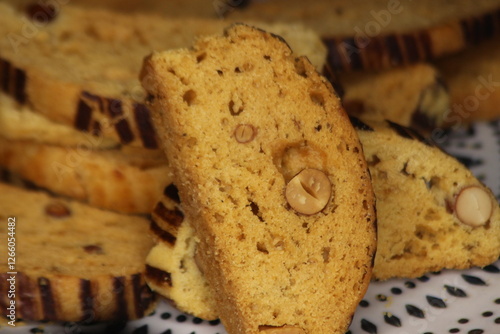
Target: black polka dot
{"points": [[497, 321], [423, 278], [436, 302], [381, 297], [492, 269], [396, 291], [487, 314], [454, 330], [474, 280], [497, 301], [454, 291], [368, 326], [214, 322], [181, 318], [415, 311], [475, 331], [391, 319], [364, 303], [410, 285], [197, 320], [463, 321], [165, 316]]}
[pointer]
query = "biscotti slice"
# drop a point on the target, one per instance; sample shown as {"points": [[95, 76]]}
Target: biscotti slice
{"points": [[72, 262], [127, 180], [171, 269], [21, 123], [432, 212], [380, 34], [272, 178], [473, 78], [79, 66], [412, 95]]}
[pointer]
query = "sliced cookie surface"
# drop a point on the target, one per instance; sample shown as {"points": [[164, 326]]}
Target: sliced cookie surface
{"points": [[432, 212], [127, 180], [86, 77], [272, 176], [73, 262]]}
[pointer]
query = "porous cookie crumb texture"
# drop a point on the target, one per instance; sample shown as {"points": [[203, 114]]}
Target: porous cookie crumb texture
{"points": [[242, 118], [88, 61], [126, 179], [384, 34], [451, 220], [74, 262]]}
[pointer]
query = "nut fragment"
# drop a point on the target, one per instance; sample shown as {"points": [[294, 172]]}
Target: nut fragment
{"points": [[309, 191], [57, 209], [473, 206], [281, 330], [93, 249], [245, 133]]}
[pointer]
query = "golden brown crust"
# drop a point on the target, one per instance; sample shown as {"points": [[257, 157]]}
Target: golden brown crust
{"points": [[256, 251], [416, 180], [128, 180]]}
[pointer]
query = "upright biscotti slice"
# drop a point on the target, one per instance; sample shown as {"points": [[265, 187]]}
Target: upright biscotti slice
{"points": [[473, 78], [72, 262], [381, 34], [272, 177], [127, 180], [79, 66], [432, 212]]}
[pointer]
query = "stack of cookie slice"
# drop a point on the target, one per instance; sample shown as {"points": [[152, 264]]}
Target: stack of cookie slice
{"points": [[75, 127]]}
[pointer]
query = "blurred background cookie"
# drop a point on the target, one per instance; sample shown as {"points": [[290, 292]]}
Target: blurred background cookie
{"points": [[73, 262], [432, 212]]}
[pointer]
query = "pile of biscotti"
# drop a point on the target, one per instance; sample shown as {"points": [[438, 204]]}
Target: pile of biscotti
{"points": [[181, 154]]}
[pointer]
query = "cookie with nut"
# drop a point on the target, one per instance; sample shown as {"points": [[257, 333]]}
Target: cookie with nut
{"points": [[272, 179], [433, 213]]}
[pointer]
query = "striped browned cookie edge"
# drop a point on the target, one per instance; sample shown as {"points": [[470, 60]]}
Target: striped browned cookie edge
{"points": [[137, 127], [397, 49]]}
